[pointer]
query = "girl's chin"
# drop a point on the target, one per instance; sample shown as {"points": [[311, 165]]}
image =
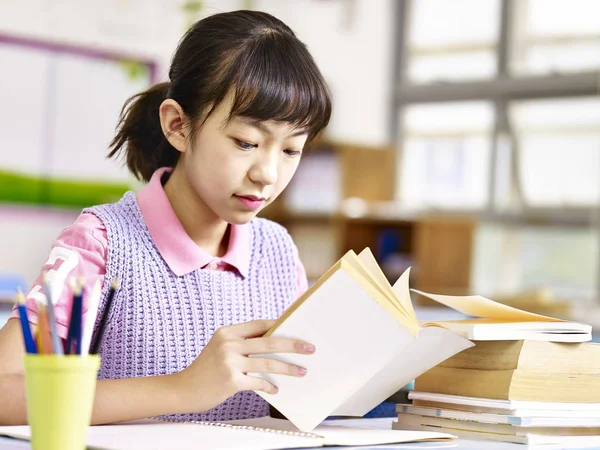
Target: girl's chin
{"points": [[240, 217]]}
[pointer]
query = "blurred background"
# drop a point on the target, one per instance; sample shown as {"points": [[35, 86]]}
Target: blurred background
{"points": [[464, 142]]}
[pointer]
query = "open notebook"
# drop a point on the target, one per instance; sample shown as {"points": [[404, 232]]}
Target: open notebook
{"points": [[368, 339], [262, 433]]}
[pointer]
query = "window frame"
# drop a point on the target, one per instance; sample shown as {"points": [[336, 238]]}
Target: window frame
{"points": [[502, 89]]}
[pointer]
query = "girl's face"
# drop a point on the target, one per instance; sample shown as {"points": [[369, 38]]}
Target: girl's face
{"points": [[238, 168]]}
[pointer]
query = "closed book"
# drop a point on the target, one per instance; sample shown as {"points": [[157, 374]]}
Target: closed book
{"points": [[499, 428], [518, 408], [511, 384], [539, 419], [529, 356], [533, 440]]}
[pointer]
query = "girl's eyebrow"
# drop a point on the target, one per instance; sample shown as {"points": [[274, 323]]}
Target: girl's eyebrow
{"points": [[259, 124]]}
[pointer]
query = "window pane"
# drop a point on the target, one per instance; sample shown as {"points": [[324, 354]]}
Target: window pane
{"points": [[473, 65], [556, 17], [440, 119], [565, 58], [436, 23], [451, 41], [510, 259], [556, 36], [559, 151], [446, 155]]}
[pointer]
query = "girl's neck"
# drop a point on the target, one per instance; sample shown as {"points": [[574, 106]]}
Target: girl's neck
{"points": [[203, 226]]}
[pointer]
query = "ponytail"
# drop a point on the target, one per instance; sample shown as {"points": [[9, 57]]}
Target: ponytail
{"points": [[140, 137]]}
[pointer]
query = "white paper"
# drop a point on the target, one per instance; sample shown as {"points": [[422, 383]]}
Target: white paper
{"points": [[432, 346]]}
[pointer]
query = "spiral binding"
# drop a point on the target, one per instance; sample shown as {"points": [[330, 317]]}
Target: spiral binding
{"points": [[243, 427]]}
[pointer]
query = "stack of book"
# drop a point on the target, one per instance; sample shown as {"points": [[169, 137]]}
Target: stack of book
{"points": [[524, 391]]}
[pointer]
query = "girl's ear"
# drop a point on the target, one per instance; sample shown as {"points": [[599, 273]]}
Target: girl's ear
{"points": [[173, 122]]}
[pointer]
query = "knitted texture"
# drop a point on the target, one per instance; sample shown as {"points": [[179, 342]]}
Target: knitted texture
{"points": [[160, 322]]}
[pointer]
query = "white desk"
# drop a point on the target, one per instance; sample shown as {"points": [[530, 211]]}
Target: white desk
{"points": [[459, 444]]}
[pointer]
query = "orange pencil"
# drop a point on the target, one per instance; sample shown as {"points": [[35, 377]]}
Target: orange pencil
{"points": [[44, 341]]}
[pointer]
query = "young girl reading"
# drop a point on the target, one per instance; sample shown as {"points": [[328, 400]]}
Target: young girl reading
{"points": [[201, 278]]}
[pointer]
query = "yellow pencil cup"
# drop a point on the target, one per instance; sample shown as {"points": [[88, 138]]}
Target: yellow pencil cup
{"points": [[60, 397]]}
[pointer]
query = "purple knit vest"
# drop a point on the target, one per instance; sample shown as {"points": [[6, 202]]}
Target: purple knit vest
{"points": [[160, 322]]}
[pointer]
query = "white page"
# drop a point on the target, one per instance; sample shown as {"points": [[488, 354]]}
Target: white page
{"points": [[401, 290], [157, 435], [432, 346], [354, 336], [479, 306], [337, 433], [401, 294]]}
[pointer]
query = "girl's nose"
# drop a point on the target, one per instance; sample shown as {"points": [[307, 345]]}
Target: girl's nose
{"points": [[265, 170]]}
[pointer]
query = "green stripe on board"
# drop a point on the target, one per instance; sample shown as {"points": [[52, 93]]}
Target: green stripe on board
{"points": [[19, 188]]}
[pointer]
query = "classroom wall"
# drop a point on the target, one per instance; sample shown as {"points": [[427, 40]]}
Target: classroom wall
{"points": [[350, 40], [26, 235]]}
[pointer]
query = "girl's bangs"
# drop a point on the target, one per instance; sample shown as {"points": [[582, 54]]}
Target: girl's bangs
{"points": [[282, 89]]}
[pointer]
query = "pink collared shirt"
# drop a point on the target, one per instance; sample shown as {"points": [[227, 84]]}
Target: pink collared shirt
{"points": [[81, 248]]}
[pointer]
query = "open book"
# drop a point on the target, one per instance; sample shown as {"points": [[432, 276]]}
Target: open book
{"points": [[496, 322], [252, 434], [369, 343]]}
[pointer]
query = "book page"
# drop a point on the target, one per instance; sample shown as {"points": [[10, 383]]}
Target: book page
{"points": [[154, 434], [432, 346], [478, 306], [401, 289], [337, 434], [355, 336], [402, 296], [385, 296]]}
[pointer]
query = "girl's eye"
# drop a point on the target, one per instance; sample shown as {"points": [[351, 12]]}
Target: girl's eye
{"points": [[245, 145], [292, 152]]}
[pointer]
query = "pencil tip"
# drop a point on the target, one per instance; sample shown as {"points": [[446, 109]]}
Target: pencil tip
{"points": [[115, 284], [20, 296]]}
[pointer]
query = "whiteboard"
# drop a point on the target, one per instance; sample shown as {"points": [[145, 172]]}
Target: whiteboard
{"points": [[59, 112]]}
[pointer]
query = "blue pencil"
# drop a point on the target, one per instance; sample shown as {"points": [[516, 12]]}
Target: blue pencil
{"points": [[73, 345], [30, 346]]}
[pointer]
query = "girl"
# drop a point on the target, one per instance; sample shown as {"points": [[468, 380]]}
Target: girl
{"points": [[201, 278]]}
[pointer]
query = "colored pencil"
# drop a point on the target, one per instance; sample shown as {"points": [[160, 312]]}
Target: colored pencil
{"points": [[104, 319], [27, 336], [44, 342], [73, 344], [57, 346], [90, 317]]}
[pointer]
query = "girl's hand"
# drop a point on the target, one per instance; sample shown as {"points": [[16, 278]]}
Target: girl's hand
{"points": [[222, 368]]}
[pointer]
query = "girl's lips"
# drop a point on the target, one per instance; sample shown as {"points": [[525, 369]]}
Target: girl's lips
{"points": [[250, 201]]}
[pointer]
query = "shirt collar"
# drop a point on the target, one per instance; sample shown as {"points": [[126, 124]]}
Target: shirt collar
{"points": [[179, 251]]}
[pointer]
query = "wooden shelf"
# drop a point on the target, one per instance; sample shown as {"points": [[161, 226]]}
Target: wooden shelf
{"points": [[438, 248]]}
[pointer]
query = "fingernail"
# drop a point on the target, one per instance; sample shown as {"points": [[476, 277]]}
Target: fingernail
{"points": [[301, 371], [309, 348]]}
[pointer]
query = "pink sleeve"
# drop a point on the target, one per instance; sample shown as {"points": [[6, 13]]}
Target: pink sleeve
{"points": [[80, 249], [301, 281]]}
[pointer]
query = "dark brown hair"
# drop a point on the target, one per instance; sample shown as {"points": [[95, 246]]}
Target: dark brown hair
{"points": [[249, 54]]}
